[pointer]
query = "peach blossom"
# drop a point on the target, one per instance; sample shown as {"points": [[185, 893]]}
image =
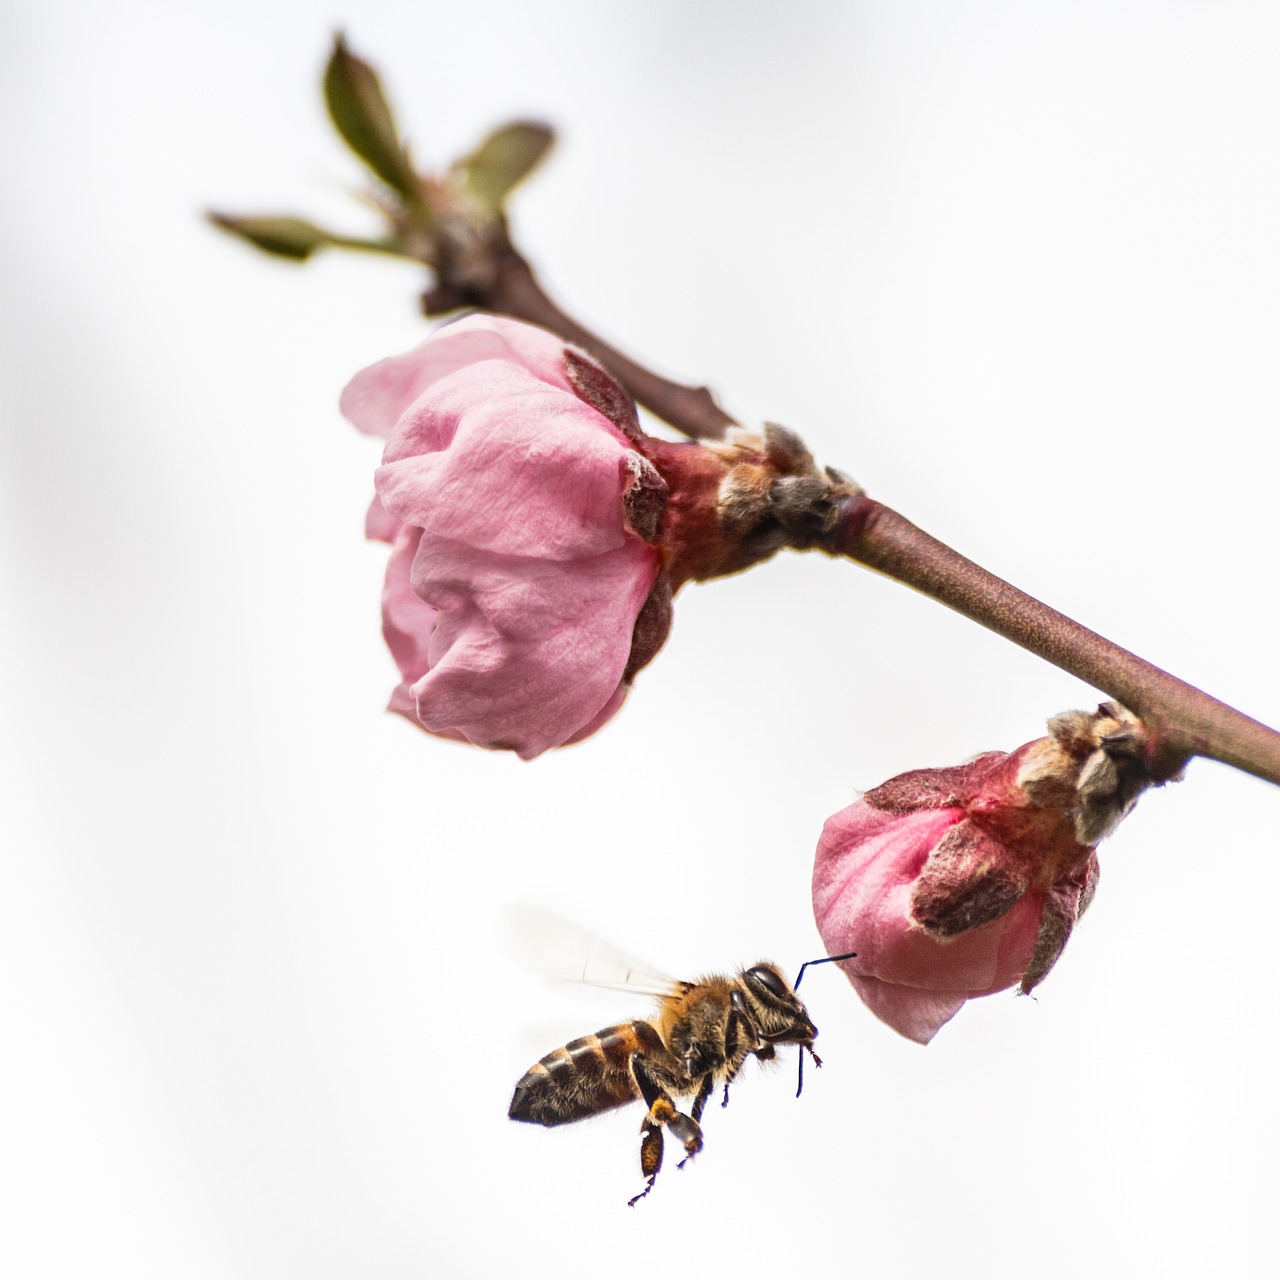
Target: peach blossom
{"points": [[517, 572], [959, 882]]}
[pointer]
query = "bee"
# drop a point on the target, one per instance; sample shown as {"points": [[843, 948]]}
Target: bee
{"points": [[700, 1037]]}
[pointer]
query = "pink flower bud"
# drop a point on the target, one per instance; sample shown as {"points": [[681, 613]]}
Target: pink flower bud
{"points": [[960, 882], [524, 588], [538, 534]]}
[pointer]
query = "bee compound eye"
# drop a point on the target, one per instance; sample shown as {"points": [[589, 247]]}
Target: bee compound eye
{"points": [[768, 978]]}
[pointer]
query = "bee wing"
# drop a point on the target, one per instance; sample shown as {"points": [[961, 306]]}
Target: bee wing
{"points": [[562, 951]]}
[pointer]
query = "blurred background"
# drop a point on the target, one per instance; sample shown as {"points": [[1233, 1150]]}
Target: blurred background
{"points": [[1012, 266]]}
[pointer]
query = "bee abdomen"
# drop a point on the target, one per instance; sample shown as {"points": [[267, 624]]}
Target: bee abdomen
{"points": [[587, 1076]]}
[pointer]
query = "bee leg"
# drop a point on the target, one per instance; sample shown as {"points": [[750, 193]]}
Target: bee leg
{"points": [[662, 1112], [704, 1092], [650, 1158], [689, 1133], [742, 1036], [730, 1077]]}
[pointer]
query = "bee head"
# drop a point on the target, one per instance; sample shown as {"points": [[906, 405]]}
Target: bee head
{"points": [[779, 1015]]}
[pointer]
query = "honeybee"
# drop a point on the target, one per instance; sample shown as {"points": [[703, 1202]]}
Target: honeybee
{"points": [[700, 1036]]}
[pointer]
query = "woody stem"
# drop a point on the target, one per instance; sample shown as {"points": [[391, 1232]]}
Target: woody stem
{"points": [[1182, 720], [515, 291]]}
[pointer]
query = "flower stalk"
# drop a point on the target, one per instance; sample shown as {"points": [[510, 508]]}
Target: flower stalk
{"points": [[515, 291], [1183, 721], [967, 880], [454, 223]]}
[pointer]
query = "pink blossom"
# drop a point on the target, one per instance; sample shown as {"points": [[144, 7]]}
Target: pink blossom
{"points": [[524, 587], [959, 882]]}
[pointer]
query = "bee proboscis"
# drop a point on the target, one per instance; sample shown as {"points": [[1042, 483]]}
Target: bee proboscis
{"points": [[699, 1038]]}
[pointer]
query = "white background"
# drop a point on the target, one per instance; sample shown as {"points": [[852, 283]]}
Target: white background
{"points": [[1014, 266]]}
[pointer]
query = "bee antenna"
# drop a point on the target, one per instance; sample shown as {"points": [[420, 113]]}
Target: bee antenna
{"points": [[795, 986]]}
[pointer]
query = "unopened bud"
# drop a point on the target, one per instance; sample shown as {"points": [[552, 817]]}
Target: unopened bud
{"points": [[738, 501], [958, 882], [526, 585]]}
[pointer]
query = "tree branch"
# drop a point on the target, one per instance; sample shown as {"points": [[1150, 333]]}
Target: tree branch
{"points": [[514, 290], [1182, 720]]}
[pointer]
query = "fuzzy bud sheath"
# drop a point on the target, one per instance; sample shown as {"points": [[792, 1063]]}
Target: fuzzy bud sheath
{"points": [[960, 882], [537, 534]]}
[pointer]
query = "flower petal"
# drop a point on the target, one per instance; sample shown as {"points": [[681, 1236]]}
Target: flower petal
{"points": [[524, 656], [911, 1012], [376, 397], [495, 459], [379, 524], [862, 889], [602, 717], [407, 619], [517, 578]]}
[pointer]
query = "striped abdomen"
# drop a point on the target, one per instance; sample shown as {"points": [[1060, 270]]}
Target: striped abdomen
{"points": [[587, 1076]]}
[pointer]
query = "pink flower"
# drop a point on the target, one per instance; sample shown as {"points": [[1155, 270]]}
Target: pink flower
{"points": [[960, 882], [525, 587]]}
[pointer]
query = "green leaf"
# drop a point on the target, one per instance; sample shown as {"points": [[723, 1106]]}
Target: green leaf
{"points": [[284, 237], [505, 157], [296, 238], [361, 115]]}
